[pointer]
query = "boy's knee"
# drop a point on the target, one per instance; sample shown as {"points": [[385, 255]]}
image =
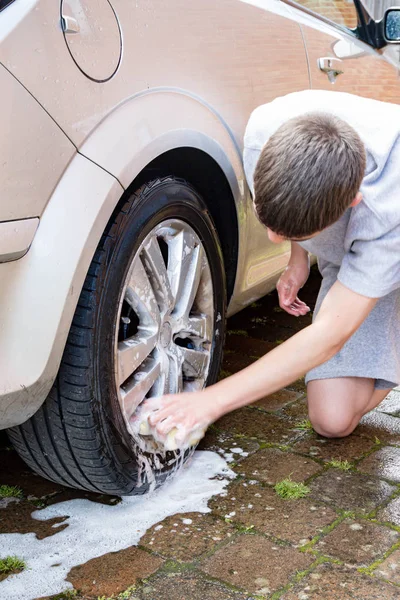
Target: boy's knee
{"points": [[333, 426]]}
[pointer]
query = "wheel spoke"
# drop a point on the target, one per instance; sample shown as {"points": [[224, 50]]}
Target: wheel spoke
{"points": [[139, 294], [186, 267], [175, 378], [194, 327], [157, 271], [131, 353], [133, 394], [195, 362]]}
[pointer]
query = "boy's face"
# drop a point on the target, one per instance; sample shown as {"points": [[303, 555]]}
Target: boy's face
{"points": [[277, 239]]}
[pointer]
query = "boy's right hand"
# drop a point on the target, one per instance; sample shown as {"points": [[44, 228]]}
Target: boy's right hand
{"points": [[292, 279]]}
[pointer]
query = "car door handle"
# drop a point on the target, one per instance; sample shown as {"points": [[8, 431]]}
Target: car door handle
{"points": [[330, 66]]}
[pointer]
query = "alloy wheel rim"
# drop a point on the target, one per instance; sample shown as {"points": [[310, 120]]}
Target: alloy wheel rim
{"points": [[165, 321]]}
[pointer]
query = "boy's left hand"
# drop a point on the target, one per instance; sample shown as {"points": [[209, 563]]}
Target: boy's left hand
{"points": [[290, 282]]}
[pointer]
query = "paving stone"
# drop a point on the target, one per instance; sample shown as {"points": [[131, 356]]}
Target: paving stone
{"points": [[297, 411], [390, 568], [379, 425], [391, 512], [358, 542], [350, 491], [391, 404], [186, 536], [272, 465], [236, 361], [278, 400], [113, 572], [252, 505], [16, 518], [231, 448], [14, 472], [185, 586], [244, 344], [334, 582], [349, 448], [383, 463], [255, 564], [270, 328], [251, 422], [298, 386]]}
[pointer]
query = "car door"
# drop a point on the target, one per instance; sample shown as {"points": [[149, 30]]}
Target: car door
{"points": [[338, 60]]}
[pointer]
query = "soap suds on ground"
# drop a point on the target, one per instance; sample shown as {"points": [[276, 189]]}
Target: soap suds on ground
{"points": [[95, 529]]}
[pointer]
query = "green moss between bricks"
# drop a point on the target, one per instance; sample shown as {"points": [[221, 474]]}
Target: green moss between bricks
{"points": [[10, 491], [309, 546], [122, 596], [238, 332], [369, 570], [38, 502], [291, 490]]}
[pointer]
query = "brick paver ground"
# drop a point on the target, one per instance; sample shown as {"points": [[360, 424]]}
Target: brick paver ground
{"points": [[340, 541]]}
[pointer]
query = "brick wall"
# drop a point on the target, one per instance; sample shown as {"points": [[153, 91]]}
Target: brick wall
{"points": [[339, 11]]}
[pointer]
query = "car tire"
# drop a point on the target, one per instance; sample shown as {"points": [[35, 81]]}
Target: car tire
{"points": [[82, 436]]}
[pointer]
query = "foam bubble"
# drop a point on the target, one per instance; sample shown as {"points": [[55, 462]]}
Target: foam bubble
{"points": [[95, 529]]}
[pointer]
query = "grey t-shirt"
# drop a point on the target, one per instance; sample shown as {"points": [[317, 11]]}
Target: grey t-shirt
{"points": [[365, 243]]}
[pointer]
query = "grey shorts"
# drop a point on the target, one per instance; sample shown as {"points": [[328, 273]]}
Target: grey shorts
{"points": [[373, 351]]}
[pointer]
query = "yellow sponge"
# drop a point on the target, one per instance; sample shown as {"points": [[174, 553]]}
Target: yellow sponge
{"points": [[143, 427]]}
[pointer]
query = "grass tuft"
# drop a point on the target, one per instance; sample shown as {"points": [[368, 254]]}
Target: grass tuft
{"points": [[291, 490], [10, 491], [343, 465], [304, 425], [11, 564]]}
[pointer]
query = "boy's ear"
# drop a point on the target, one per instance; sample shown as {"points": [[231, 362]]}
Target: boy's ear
{"points": [[357, 199]]}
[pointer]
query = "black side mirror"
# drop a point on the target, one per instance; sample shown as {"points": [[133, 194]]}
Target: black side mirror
{"points": [[375, 29], [391, 28]]}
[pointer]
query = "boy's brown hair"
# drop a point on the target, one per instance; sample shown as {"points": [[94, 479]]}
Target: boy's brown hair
{"points": [[308, 173]]}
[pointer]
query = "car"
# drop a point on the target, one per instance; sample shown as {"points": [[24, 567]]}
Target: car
{"points": [[127, 234]]}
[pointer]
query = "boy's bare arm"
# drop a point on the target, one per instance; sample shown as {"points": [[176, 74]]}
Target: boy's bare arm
{"points": [[341, 313]]}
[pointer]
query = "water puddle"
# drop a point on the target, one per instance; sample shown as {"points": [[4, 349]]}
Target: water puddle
{"points": [[95, 529]]}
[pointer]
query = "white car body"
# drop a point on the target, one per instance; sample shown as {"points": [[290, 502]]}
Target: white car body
{"points": [[136, 88]]}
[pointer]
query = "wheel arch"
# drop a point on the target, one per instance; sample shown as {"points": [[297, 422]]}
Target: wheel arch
{"points": [[190, 164], [171, 131]]}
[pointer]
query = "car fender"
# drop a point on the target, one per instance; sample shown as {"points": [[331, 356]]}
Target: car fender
{"points": [[40, 291], [157, 120]]}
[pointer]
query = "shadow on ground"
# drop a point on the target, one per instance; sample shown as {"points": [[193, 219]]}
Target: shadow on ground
{"points": [[338, 538]]}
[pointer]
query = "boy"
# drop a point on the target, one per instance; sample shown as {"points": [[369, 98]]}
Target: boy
{"points": [[326, 171]]}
